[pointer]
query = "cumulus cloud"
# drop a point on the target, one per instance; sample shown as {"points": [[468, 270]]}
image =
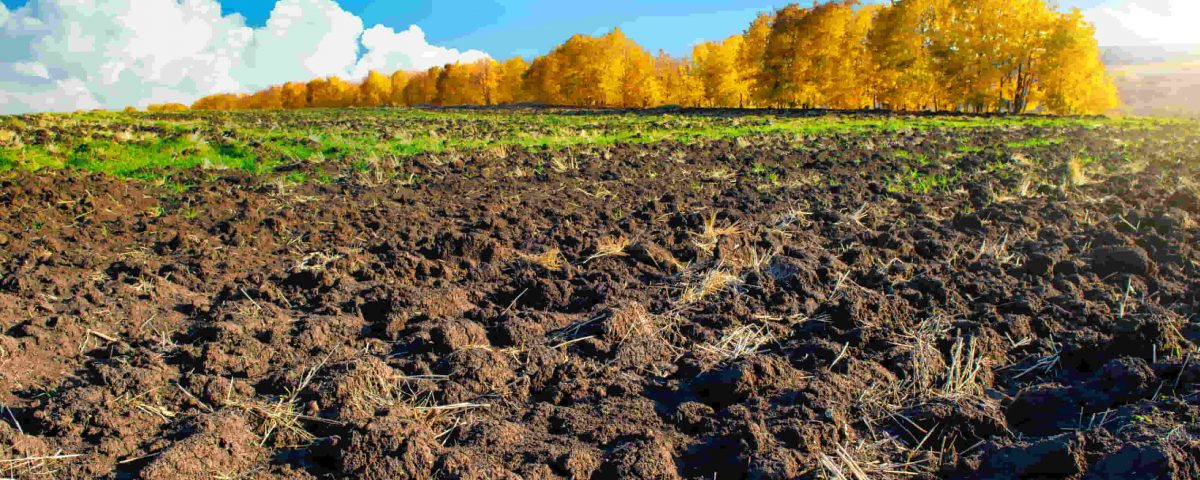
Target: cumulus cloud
{"points": [[58, 55], [1146, 22], [388, 49], [302, 39]]}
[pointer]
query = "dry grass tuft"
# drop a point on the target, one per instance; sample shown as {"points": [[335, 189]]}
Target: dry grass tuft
{"points": [[865, 460], [963, 370], [924, 364], [1075, 173], [1024, 188], [378, 173], [740, 342], [795, 217], [37, 466], [998, 250], [856, 217], [549, 260], [9, 138], [659, 255], [517, 172], [1039, 364], [408, 397], [719, 175], [757, 260], [279, 419], [149, 402], [715, 281], [499, 152], [711, 233], [316, 262], [560, 165], [610, 247], [845, 467]]}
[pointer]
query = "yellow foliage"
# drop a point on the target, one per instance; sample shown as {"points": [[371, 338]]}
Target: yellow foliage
{"points": [[510, 84], [750, 58], [1073, 79], [902, 68], [720, 72], [167, 107], [967, 55], [680, 84], [294, 95], [607, 71], [422, 87], [375, 90], [399, 82], [817, 57]]}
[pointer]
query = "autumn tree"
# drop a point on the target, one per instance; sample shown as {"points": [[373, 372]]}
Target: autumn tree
{"points": [[399, 80], [485, 79], [422, 88], [593, 76], [640, 87], [294, 95], [751, 57], [269, 99], [375, 90], [570, 74], [220, 101], [166, 107], [815, 57], [611, 70], [454, 86], [543, 81], [781, 77], [319, 92], [720, 73], [902, 69], [331, 92], [510, 87], [1072, 79], [986, 50], [679, 81]]}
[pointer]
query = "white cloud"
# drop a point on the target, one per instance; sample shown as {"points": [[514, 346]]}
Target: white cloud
{"points": [[1146, 22], [55, 96], [58, 55], [32, 69], [302, 39], [388, 50]]}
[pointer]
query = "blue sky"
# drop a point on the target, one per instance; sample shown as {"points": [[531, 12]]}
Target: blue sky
{"points": [[504, 28]]}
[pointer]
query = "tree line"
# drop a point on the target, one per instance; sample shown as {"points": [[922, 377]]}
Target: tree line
{"points": [[1010, 56]]}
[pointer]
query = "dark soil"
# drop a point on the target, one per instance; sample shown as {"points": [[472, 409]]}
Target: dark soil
{"points": [[1005, 323]]}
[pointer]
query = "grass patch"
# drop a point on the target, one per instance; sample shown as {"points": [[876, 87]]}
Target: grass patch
{"points": [[153, 146]]}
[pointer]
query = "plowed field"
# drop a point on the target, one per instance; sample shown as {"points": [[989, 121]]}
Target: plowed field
{"points": [[595, 295]]}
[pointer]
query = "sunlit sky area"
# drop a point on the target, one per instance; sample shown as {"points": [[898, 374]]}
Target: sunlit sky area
{"points": [[68, 54]]}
